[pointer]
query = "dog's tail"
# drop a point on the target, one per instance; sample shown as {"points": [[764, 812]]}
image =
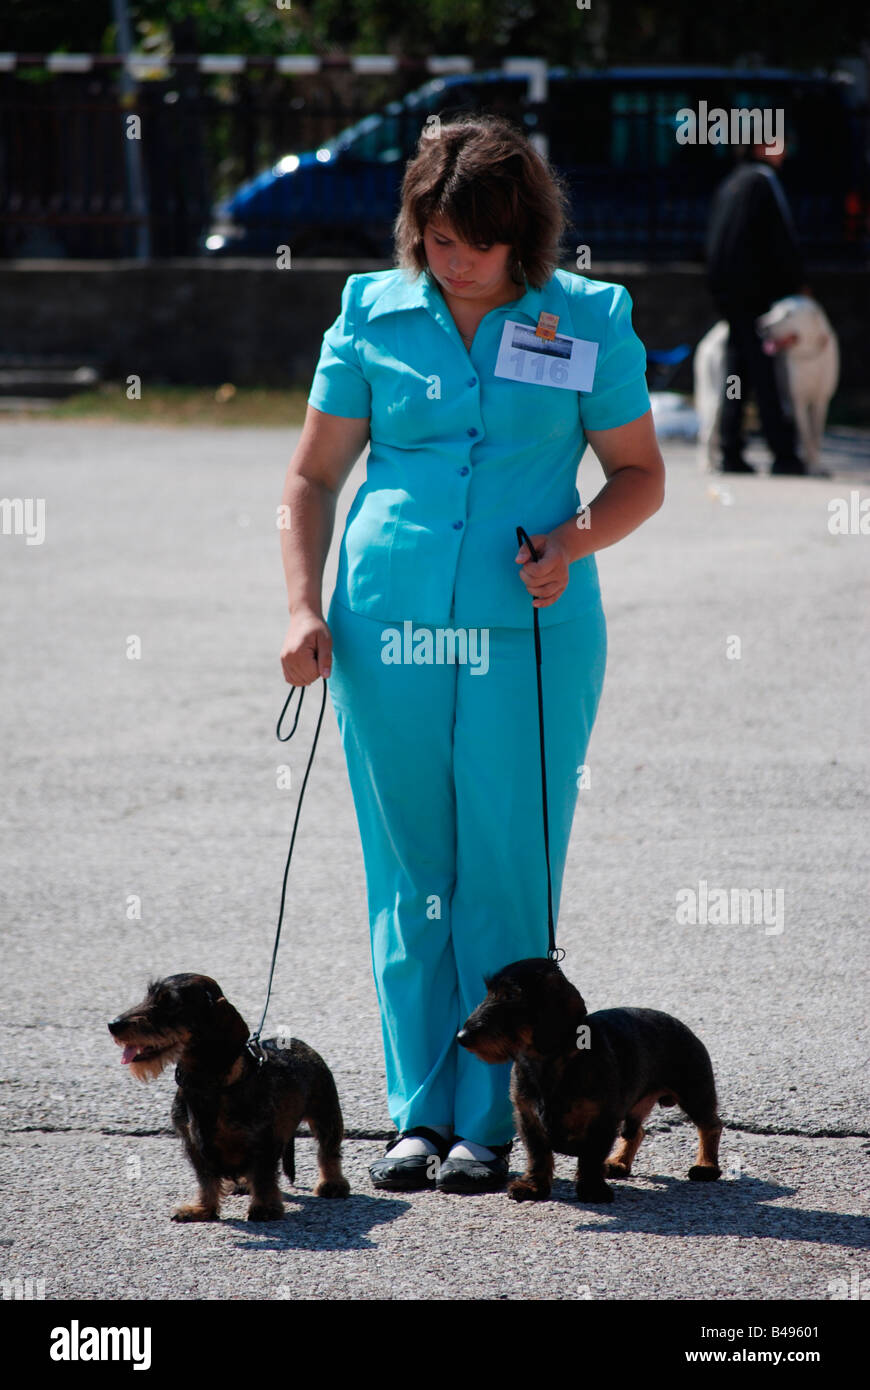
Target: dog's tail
{"points": [[288, 1159]]}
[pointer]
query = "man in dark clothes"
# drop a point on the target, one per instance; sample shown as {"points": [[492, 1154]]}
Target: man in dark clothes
{"points": [[753, 259]]}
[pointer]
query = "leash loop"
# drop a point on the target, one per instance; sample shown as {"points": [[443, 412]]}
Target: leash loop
{"points": [[253, 1043], [293, 689], [554, 953]]}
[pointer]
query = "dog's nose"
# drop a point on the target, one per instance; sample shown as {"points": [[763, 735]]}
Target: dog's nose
{"points": [[462, 1037], [114, 1024]]}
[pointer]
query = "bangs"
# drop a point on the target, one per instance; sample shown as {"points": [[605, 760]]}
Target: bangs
{"points": [[479, 215]]}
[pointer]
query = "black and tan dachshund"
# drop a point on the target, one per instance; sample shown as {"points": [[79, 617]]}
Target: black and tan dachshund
{"points": [[580, 1079], [236, 1112]]}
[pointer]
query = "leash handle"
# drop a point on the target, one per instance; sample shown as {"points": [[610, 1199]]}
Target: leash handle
{"points": [[554, 953], [293, 689], [253, 1043]]}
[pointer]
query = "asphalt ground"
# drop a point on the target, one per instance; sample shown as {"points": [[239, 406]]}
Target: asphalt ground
{"points": [[154, 780]]}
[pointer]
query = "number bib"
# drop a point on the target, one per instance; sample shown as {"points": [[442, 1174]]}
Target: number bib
{"points": [[560, 361]]}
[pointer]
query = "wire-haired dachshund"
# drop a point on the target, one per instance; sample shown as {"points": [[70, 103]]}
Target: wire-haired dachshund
{"points": [[577, 1077], [236, 1112]]}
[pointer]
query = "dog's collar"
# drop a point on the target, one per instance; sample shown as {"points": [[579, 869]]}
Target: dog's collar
{"points": [[189, 1081], [256, 1050], [193, 1081]]}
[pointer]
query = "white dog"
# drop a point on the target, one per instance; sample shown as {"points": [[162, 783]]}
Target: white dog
{"points": [[798, 328]]}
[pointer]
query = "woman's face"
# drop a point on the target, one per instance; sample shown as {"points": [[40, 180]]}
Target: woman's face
{"points": [[463, 271]]}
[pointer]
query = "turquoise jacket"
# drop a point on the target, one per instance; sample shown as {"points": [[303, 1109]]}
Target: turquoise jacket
{"points": [[460, 457]]}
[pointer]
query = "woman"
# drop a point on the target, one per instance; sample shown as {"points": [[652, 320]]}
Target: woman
{"points": [[476, 425]]}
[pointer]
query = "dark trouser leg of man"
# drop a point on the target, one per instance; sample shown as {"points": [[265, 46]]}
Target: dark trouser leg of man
{"points": [[757, 371], [731, 417]]}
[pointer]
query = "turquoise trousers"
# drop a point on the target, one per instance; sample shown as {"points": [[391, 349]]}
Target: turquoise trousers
{"points": [[444, 764]]}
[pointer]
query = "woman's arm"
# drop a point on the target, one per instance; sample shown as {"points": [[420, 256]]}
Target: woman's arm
{"points": [[327, 450], [635, 489]]}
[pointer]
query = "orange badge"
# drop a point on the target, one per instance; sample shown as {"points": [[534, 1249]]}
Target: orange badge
{"points": [[547, 325]]}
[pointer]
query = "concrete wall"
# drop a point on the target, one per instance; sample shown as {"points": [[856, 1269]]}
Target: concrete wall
{"points": [[243, 321]]}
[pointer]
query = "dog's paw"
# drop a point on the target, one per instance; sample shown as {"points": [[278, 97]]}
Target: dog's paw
{"points": [[612, 1169], [594, 1192], [525, 1190], [266, 1211], [704, 1172], [332, 1187], [195, 1213]]}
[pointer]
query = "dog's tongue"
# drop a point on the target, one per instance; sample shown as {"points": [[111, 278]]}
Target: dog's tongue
{"points": [[128, 1054], [770, 346]]}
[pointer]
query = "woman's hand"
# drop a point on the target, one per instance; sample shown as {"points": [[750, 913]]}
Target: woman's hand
{"points": [[307, 650], [547, 578]]}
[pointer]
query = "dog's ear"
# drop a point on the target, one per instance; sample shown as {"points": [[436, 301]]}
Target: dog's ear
{"points": [[229, 1021], [561, 1010], [577, 1005], [564, 996]]}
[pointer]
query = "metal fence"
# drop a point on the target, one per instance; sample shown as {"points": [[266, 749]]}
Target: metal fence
{"points": [[64, 162]]}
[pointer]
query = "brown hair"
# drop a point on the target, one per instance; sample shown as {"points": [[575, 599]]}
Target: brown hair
{"points": [[482, 175]]}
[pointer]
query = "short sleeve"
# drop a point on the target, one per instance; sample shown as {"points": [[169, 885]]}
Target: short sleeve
{"points": [[619, 391], [339, 386]]}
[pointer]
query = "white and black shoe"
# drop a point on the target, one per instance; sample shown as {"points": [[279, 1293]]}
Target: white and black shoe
{"points": [[411, 1172], [469, 1174]]}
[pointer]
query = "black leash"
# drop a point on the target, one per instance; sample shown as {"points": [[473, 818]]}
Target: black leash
{"points": [[554, 953], [253, 1043]]}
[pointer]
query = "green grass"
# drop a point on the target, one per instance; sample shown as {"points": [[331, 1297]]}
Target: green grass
{"points": [[280, 409], [182, 405]]}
